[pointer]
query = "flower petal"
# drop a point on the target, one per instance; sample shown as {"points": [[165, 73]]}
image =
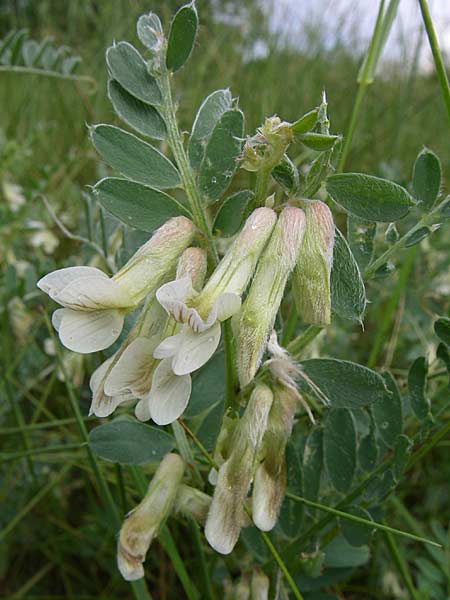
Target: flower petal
{"points": [[169, 394], [57, 317], [103, 405], [133, 369], [226, 306], [195, 349], [173, 297], [168, 347], [54, 282], [86, 332], [142, 410], [92, 293]]}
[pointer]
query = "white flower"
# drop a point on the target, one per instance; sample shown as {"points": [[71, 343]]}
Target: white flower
{"points": [[201, 315], [144, 522], [95, 305]]}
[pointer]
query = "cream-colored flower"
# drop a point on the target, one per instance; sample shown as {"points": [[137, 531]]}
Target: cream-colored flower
{"points": [[201, 313], [266, 292], [95, 305], [226, 515], [144, 522]]}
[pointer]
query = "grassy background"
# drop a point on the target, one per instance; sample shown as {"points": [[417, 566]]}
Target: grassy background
{"points": [[52, 525]]}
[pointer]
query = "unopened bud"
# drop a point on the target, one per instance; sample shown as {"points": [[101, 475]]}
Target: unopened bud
{"points": [[266, 292], [192, 264], [260, 585], [236, 268], [264, 150], [311, 281], [146, 270], [226, 515], [144, 522], [270, 478]]}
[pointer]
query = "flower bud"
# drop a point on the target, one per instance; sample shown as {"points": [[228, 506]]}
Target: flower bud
{"points": [[270, 477], [311, 280], [144, 522], [226, 515], [193, 264], [266, 292], [260, 585], [264, 150], [236, 268]]}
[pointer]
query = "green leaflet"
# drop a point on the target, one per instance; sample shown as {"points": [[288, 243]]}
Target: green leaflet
{"points": [[306, 122], [369, 197], [134, 158], [221, 153], [417, 376], [341, 383], [348, 294], [442, 329], [426, 179], [145, 119], [286, 174], [291, 513], [318, 141], [312, 464], [339, 448], [208, 386], [130, 442], [128, 67], [209, 113], [387, 413], [183, 30], [136, 205], [361, 234], [356, 534], [231, 214]]}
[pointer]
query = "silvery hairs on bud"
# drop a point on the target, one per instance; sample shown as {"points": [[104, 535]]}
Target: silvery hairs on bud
{"points": [[266, 291], [270, 478], [311, 280], [144, 522], [226, 515]]}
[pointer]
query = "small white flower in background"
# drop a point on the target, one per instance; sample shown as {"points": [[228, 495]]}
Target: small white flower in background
{"points": [[20, 318], [259, 585], [226, 515], [266, 292], [201, 314], [311, 280], [14, 195], [46, 240], [95, 305], [144, 522]]}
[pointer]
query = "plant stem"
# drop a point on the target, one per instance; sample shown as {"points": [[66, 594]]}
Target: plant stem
{"points": [[356, 519], [438, 62], [304, 339], [401, 564], [187, 176], [186, 452], [262, 183], [231, 381]]}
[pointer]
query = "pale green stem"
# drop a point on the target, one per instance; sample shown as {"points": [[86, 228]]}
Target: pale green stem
{"points": [[439, 63], [401, 565], [186, 452]]}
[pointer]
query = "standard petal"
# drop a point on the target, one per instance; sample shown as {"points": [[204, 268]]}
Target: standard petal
{"points": [[226, 306], [169, 394], [173, 296], [195, 349], [93, 293], [86, 332], [57, 317], [168, 347], [54, 282], [133, 370]]}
